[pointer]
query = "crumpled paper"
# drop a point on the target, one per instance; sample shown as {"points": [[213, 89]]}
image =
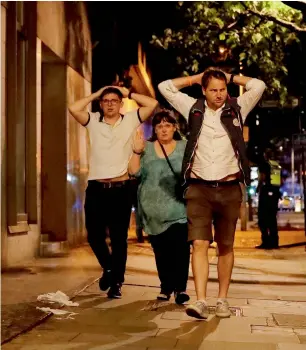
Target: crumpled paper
{"points": [[58, 297]]}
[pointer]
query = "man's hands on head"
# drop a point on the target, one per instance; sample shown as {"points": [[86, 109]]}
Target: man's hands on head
{"points": [[123, 90], [228, 77]]}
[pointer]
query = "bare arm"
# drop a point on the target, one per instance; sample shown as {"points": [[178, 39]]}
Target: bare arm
{"points": [[77, 109], [138, 148], [134, 164], [148, 105]]}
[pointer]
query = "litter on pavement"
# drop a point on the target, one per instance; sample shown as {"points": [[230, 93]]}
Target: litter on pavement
{"points": [[58, 297]]}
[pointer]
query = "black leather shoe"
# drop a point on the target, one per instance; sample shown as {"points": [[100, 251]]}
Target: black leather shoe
{"points": [[104, 281], [181, 297], [274, 246], [164, 295], [115, 292], [262, 246]]}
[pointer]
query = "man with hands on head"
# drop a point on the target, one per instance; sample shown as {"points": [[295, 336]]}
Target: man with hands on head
{"points": [[108, 195], [214, 163]]}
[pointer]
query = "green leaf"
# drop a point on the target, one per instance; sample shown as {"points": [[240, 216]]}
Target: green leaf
{"points": [[247, 37], [256, 38], [220, 24], [242, 56]]}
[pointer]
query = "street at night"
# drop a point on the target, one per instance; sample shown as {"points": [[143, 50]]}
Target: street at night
{"points": [[153, 175]]}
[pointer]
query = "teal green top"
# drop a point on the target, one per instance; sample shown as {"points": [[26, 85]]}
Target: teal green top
{"points": [[158, 206]]}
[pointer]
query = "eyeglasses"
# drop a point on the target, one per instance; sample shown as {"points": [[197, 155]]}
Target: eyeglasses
{"points": [[112, 102]]}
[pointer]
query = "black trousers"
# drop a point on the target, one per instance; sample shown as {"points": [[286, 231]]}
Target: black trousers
{"points": [[172, 256], [108, 209], [267, 215]]}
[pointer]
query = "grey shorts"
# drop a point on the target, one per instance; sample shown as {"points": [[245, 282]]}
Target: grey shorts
{"points": [[217, 206]]}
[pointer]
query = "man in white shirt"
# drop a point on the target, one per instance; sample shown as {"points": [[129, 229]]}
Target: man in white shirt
{"points": [[108, 195], [215, 161]]}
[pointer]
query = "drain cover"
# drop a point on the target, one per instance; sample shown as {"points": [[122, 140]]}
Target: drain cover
{"points": [[163, 306]]}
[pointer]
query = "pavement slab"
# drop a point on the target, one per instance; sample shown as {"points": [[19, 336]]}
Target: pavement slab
{"points": [[290, 320], [291, 347]]}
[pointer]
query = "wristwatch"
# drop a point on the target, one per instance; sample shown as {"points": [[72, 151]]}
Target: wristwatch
{"points": [[138, 153], [232, 78]]}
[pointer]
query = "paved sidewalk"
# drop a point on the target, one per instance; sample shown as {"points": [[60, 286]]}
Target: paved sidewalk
{"points": [[268, 299], [21, 286]]}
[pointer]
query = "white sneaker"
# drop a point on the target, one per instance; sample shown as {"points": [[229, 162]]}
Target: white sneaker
{"points": [[222, 308], [198, 309]]}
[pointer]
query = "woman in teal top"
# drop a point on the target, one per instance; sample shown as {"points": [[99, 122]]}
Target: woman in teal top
{"points": [[163, 213]]}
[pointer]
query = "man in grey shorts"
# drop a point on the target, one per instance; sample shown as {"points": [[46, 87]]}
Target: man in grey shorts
{"points": [[214, 163]]}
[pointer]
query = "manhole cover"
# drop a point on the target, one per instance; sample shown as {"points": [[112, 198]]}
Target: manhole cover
{"points": [[163, 306]]}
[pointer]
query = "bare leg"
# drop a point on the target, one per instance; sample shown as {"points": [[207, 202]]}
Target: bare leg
{"points": [[225, 267], [200, 267]]}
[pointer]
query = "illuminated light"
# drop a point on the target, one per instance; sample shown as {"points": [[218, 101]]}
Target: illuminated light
{"points": [[281, 148], [257, 122], [251, 191], [221, 49], [71, 178]]}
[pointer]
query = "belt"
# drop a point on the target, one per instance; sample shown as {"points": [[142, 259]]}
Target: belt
{"points": [[214, 183], [114, 184]]}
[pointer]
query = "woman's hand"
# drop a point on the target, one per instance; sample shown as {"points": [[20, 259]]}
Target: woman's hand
{"points": [[139, 142]]}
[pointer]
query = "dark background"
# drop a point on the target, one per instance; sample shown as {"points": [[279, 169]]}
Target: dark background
{"points": [[116, 29]]}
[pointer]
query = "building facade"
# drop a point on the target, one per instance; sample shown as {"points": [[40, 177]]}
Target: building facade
{"points": [[45, 65]]}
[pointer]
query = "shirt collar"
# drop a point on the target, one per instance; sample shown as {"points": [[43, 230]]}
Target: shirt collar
{"points": [[117, 122], [217, 110]]}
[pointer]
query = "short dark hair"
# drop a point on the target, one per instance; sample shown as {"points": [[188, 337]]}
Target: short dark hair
{"points": [[166, 117], [212, 72], [111, 90]]}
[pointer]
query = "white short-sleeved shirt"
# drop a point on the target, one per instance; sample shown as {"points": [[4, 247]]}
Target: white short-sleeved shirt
{"points": [[111, 145]]}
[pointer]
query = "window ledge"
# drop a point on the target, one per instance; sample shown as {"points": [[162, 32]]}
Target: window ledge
{"points": [[22, 228]]}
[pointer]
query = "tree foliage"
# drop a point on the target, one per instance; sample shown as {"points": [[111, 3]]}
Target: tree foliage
{"points": [[250, 36]]}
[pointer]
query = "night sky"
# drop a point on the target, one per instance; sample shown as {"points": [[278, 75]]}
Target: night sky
{"points": [[116, 29]]}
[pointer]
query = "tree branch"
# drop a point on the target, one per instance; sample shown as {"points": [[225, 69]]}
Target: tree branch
{"points": [[269, 17]]}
